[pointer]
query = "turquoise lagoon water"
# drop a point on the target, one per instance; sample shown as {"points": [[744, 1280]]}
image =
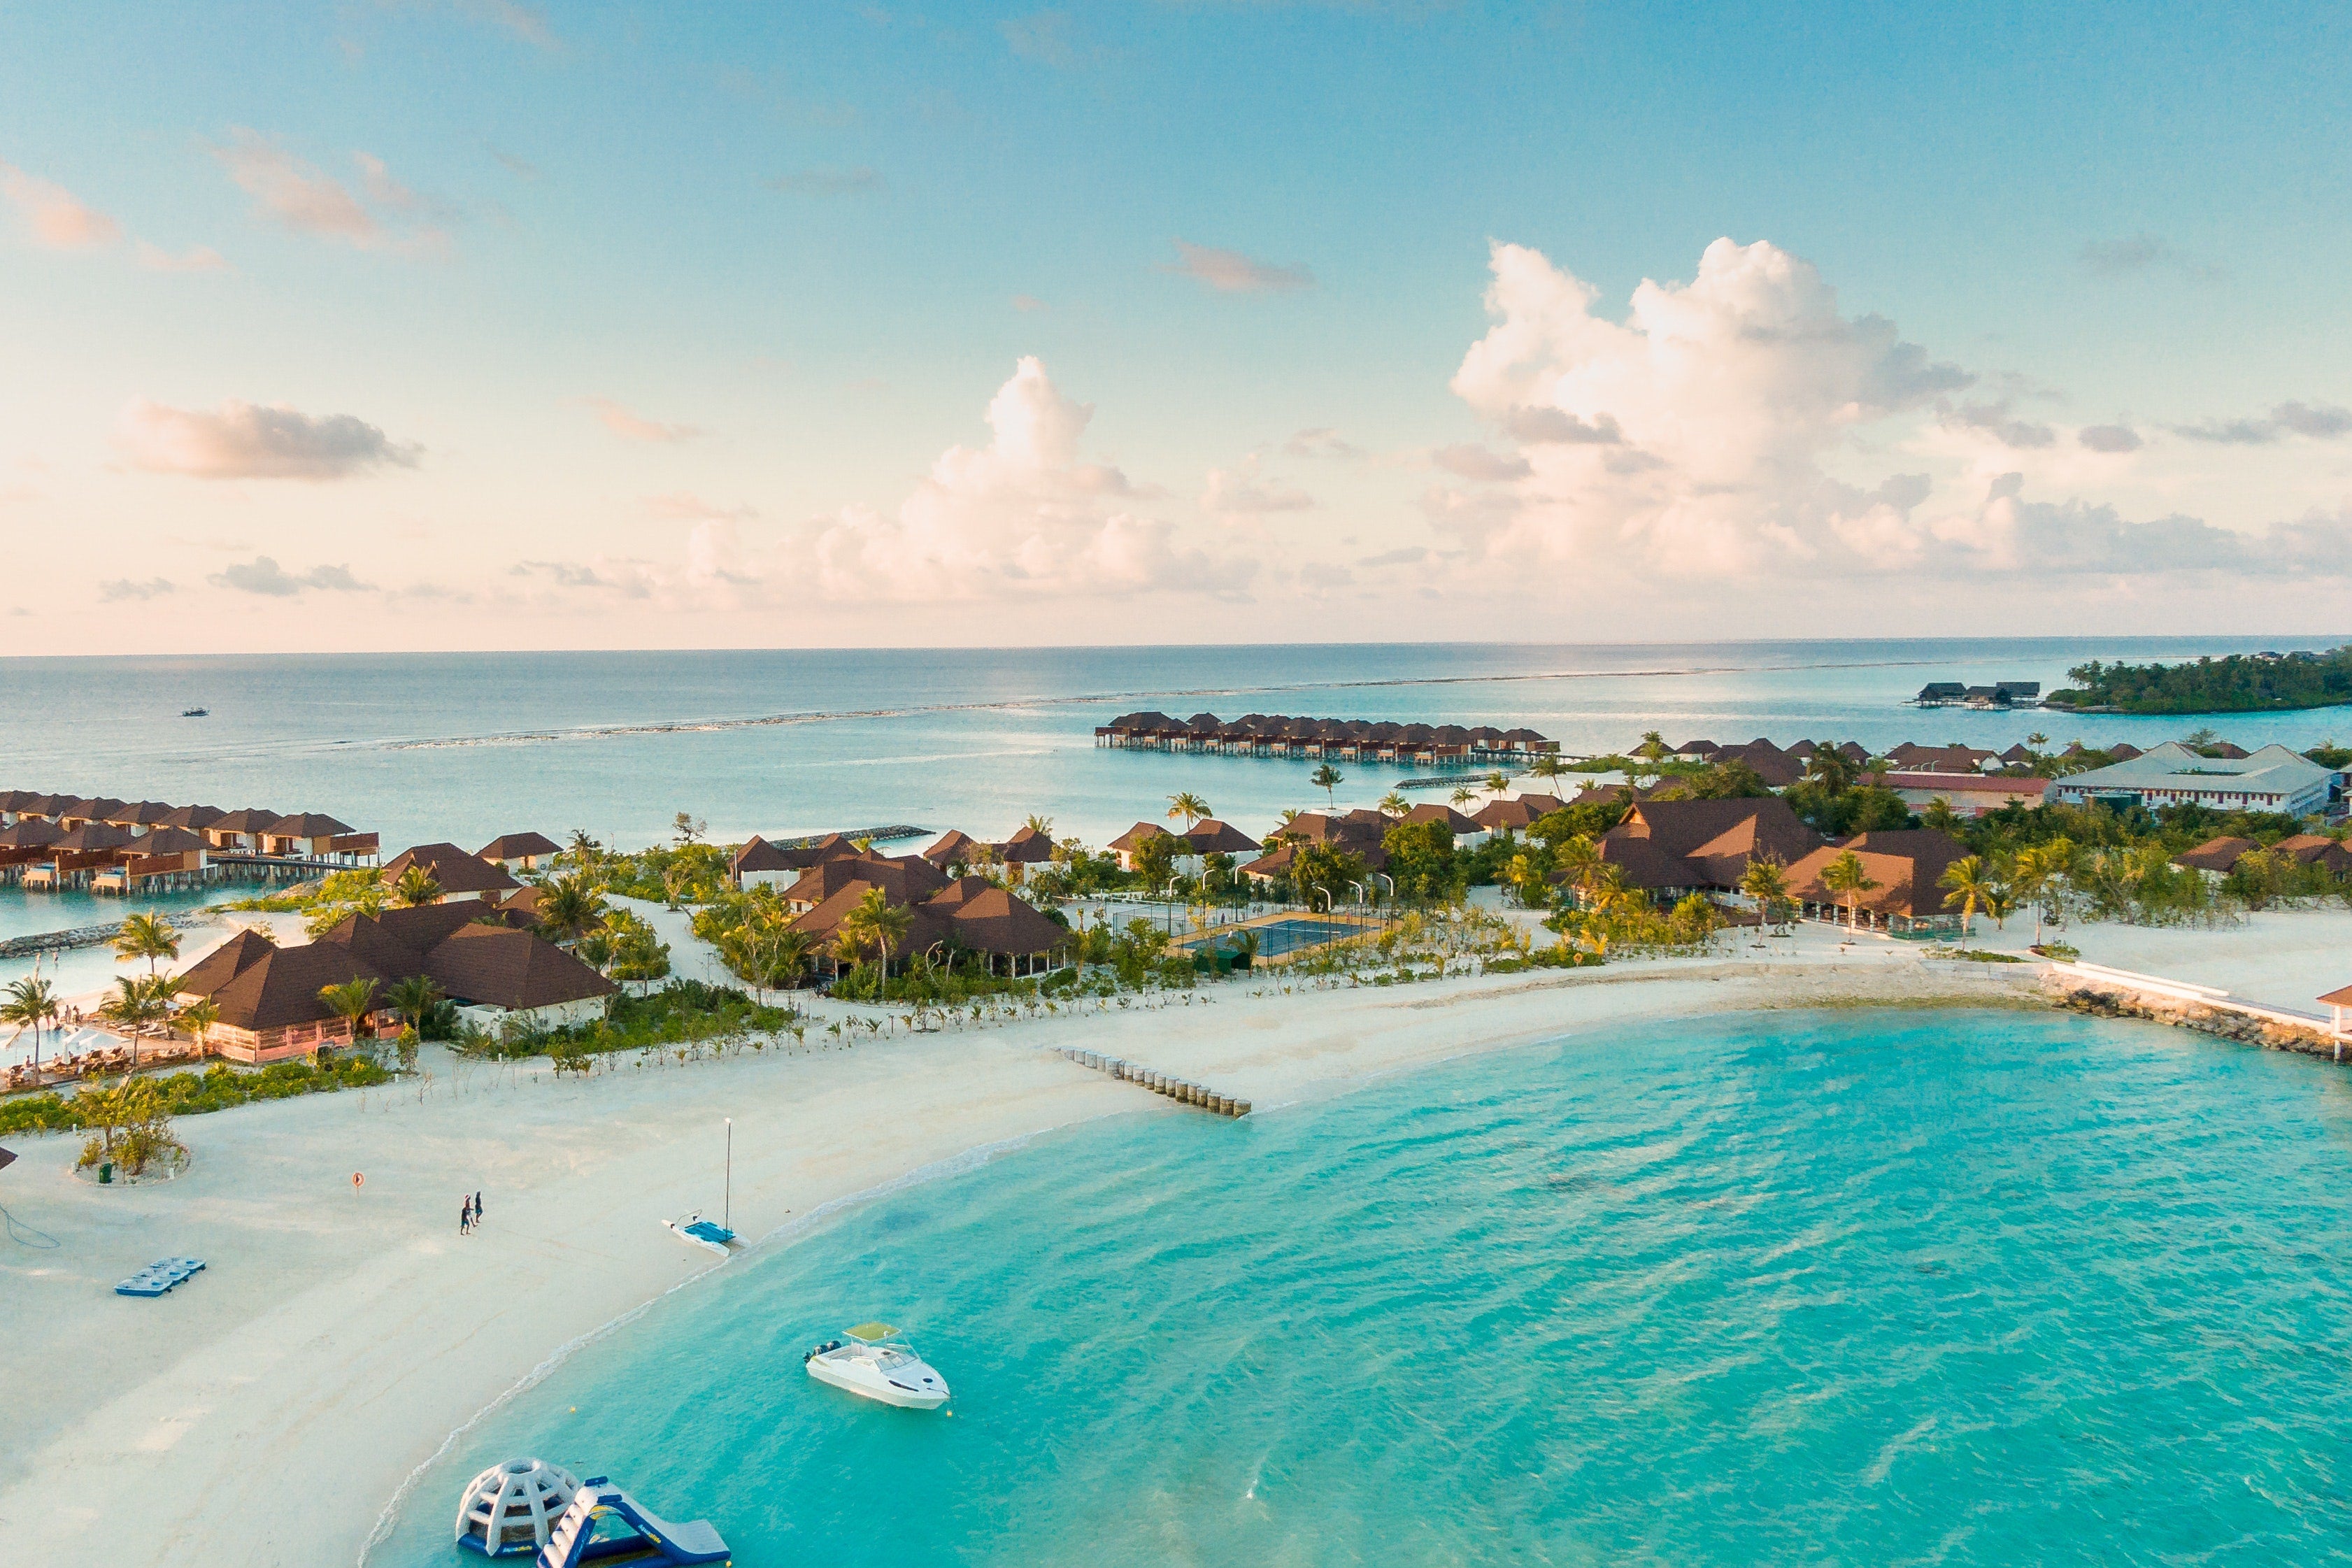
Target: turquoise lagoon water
{"points": [[1873, 1289]]}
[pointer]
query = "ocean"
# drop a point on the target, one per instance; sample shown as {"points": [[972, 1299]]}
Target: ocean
{"points": [[1955, 1288], [464, 747]]}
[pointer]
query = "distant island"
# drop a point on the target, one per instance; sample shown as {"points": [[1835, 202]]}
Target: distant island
{"points": [[2240, 683]]}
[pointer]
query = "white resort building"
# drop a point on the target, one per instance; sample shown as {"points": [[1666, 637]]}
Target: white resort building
{"points": [[2273, 779]]}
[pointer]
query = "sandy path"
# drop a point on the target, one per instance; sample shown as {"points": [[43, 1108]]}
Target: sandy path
{"points": [[264, 1412]]}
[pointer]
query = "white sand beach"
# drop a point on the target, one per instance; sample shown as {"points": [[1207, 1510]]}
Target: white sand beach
{"points": [[266, 1412]]}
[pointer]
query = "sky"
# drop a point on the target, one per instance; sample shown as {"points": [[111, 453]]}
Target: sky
{"points": [[473, 323]]}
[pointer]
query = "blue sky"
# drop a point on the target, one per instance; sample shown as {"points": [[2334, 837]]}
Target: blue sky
{"points": [[483, 323]]}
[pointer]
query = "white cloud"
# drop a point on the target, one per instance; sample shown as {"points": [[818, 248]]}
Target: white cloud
{"points": [[1231, 272], [1023, 517], [1243, 493], [2318, 422], [59, 219], [263, 575], [305, 200], [132, 588], [1321, 441], [1471, 461], [248, 441], [1690, 439], [196, 258], [630, 427], [2109, 438]]}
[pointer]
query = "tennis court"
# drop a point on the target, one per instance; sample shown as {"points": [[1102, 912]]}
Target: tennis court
{"points": [[1280, 939]]}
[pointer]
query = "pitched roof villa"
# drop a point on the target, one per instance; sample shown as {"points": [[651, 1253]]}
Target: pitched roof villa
{"points": [[1684, 844], [1207, 837], [969, 913], [268, 997], [461, 876], [1907, 864]]}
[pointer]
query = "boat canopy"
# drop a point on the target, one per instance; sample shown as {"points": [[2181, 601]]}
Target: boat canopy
{"points": [[871, 1333]]}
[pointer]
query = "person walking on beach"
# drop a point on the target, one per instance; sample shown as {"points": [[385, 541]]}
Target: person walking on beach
{"points": [[477, 1208], [465, 1217]]}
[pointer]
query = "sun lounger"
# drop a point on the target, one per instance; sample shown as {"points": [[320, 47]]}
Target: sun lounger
{"points": [[157, 1278]]}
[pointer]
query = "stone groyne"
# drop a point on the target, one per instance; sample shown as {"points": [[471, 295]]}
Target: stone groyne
{"points": [[80, 936], [2250, 1023]]}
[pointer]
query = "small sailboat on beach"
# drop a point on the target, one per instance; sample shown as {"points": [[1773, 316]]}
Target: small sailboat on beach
{"points": [[872, 1362], [716, 1234]]}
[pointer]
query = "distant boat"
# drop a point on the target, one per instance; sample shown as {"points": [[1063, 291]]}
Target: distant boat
{"points": [[196, 712]]}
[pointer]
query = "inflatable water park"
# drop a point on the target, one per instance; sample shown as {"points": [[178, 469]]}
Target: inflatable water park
{"points": [[530, 1505]]}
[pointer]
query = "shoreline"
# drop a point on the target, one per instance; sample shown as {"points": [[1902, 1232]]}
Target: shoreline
{"points": [[350, 1332]]}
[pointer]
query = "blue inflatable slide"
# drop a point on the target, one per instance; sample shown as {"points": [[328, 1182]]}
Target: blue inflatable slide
{"points": [[605, 1524]]}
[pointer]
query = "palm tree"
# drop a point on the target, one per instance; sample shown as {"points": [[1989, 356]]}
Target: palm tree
{"points": [[1189, 807], [1326, 778], [351, 1001], [1462, 795], [584, 849], [1830, 769], [148, 936], [200, 1018], [416, 888], [874, 922], [1581, 859], [1042, 826], [137, 1003], [570, 907], [1394, 803], [1546, 765], [32, 1003], [2037, 740], [1653, 748], [413, 999], [1497, 783], [1938, 815], [1966, 883], [2036, 874], [1847, 875], [1765, 881]]}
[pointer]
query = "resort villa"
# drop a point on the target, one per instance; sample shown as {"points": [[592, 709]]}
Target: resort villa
{"points": [[458, 874], [2272, 779], [1205, 838], [1906, 867], [517, 853], [269, 1000], [1673, 847]]}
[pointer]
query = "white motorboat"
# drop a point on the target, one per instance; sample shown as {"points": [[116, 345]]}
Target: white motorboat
{"points": [[873, 1362]]}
